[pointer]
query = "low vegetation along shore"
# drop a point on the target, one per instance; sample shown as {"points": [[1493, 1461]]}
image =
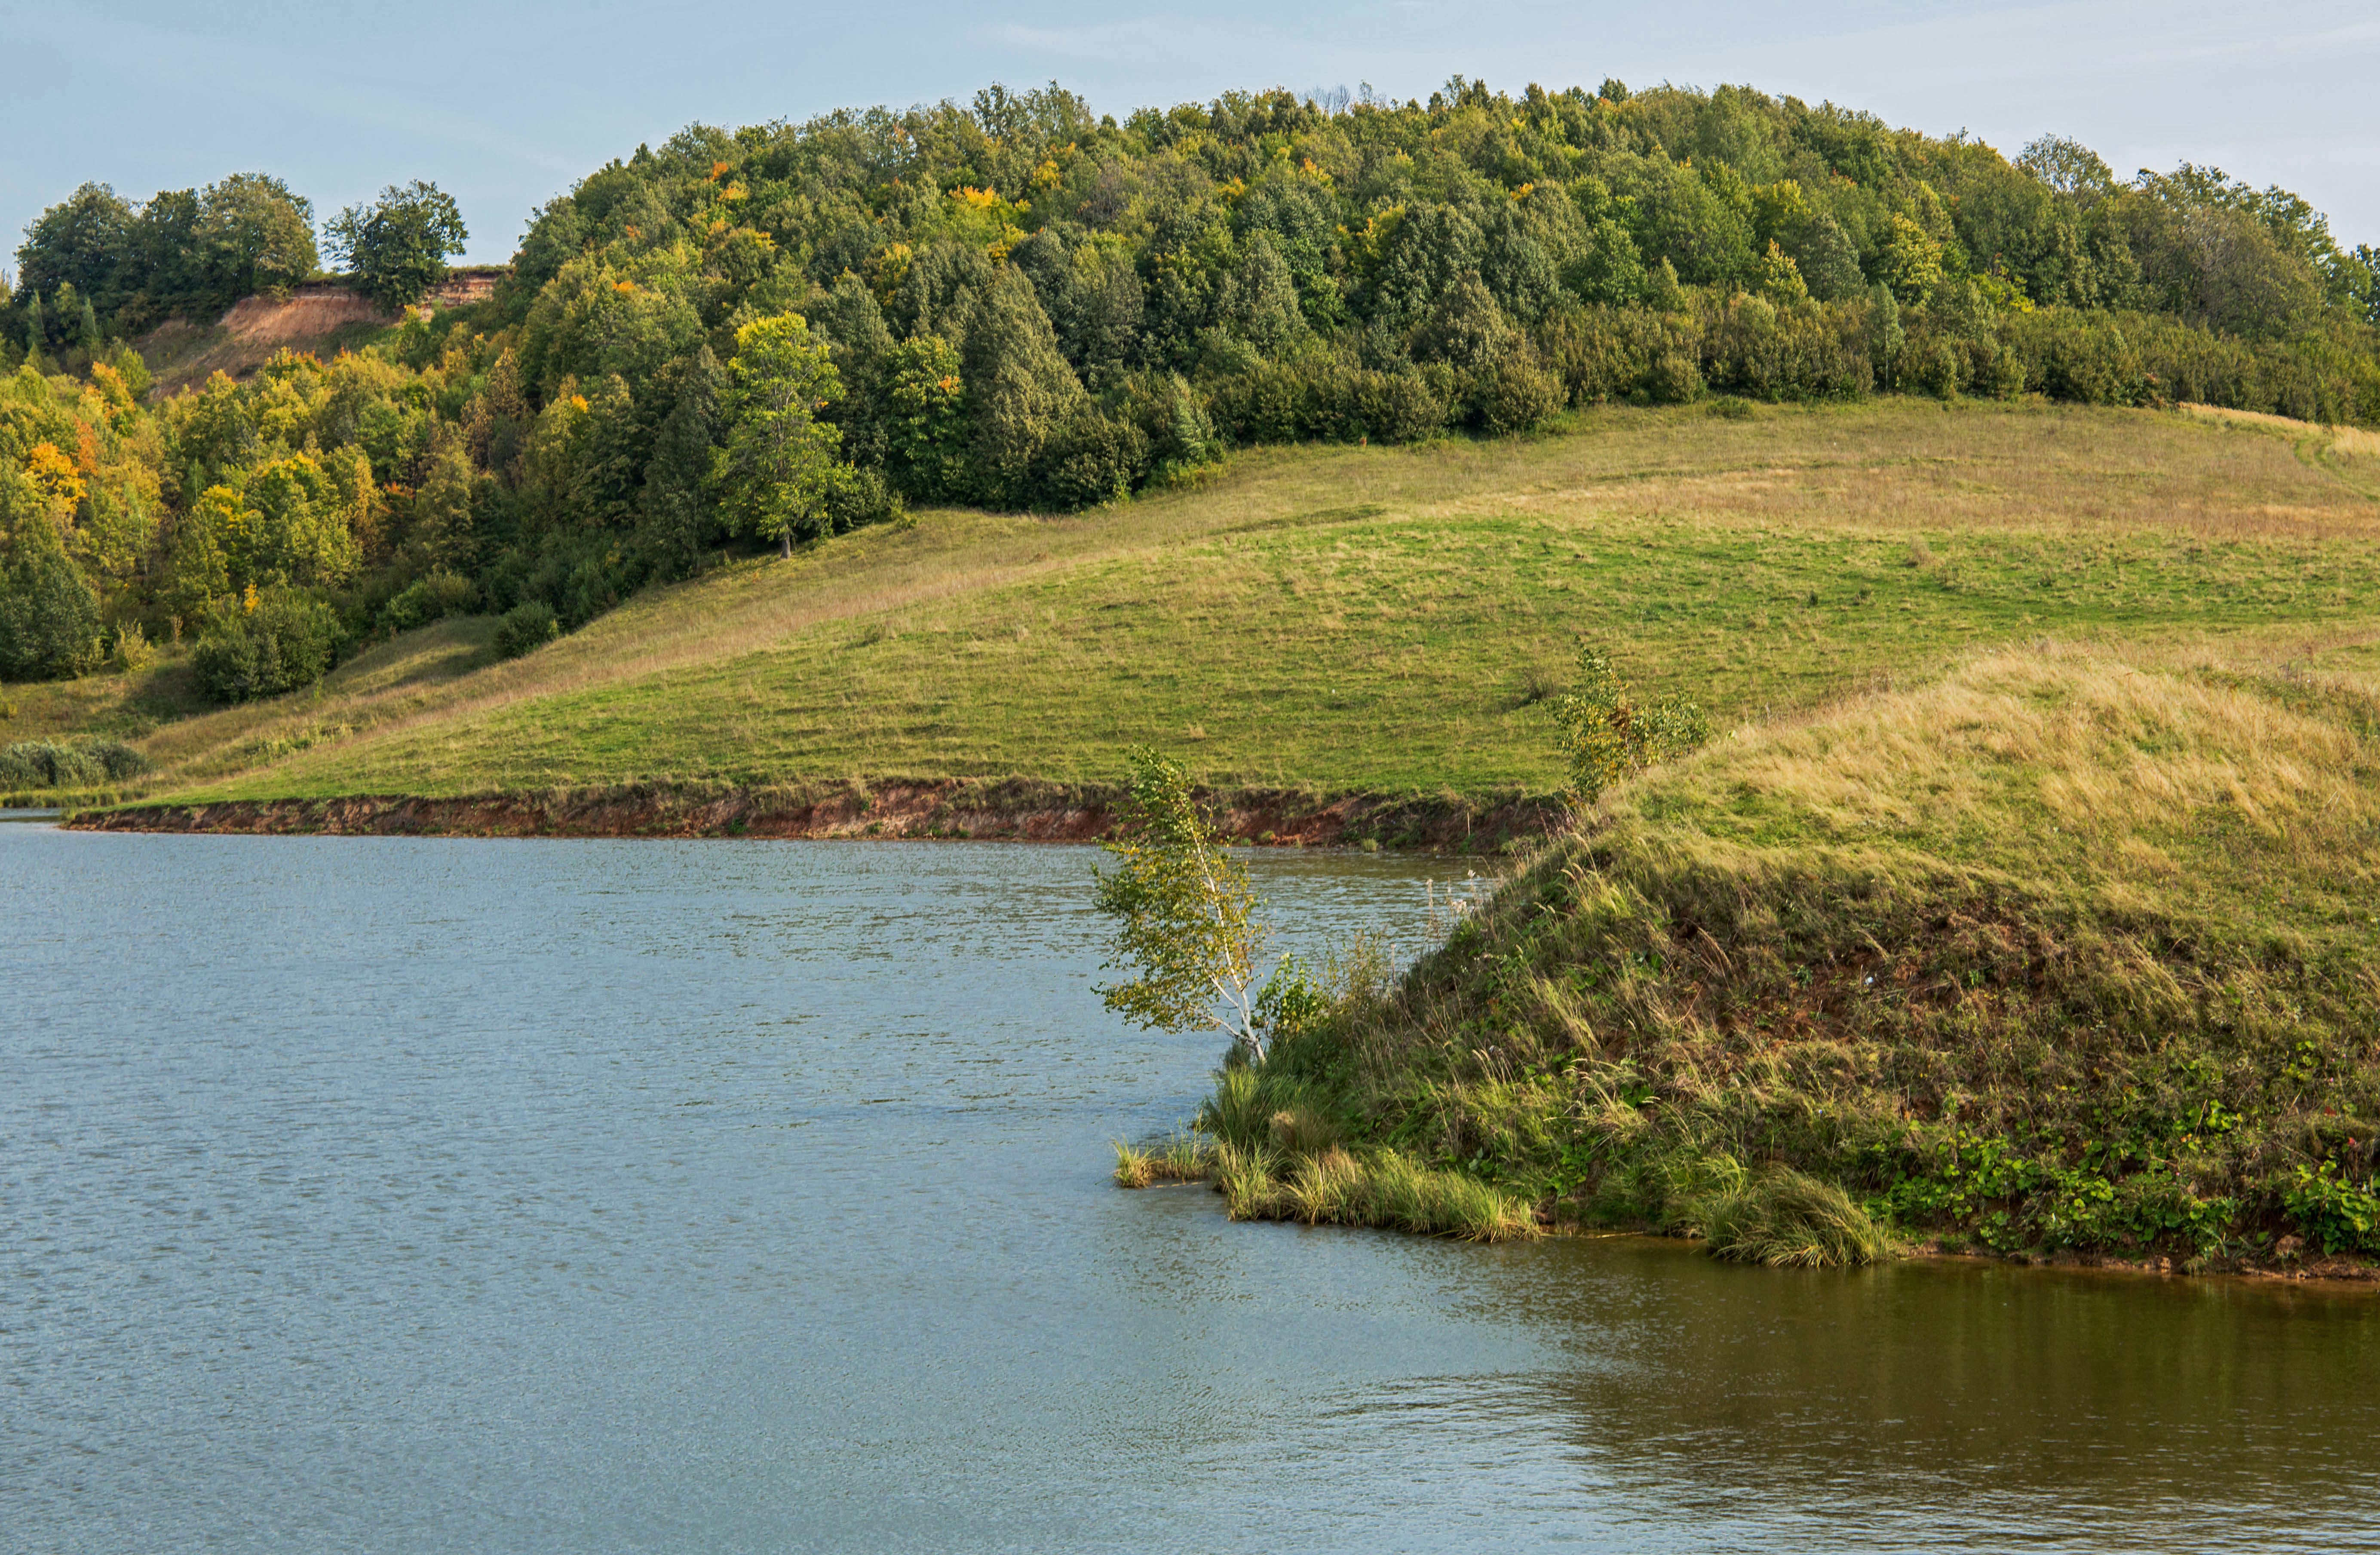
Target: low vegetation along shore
{"points": [[2067, 954]]}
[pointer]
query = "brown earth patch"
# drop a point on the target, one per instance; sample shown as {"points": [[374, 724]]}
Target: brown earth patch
{"points": [[316, 316], [1013, 810]]}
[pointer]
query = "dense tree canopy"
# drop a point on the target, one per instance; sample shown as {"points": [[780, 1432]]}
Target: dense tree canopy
{"points": [[782, 331], [187, 253]]}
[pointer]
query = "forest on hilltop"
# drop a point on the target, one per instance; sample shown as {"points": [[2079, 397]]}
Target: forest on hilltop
{"points": [[1019, 303]]}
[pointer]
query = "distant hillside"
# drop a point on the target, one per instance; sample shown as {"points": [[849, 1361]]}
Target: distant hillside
{"points": [[1022, 306]]}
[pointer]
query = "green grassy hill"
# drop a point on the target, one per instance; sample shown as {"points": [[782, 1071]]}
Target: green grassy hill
{"points": [[1349, 618], [2068, 952]]}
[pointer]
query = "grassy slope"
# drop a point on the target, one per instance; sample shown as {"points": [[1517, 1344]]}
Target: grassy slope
{"points": [[1373, 618], [2070, 949]]}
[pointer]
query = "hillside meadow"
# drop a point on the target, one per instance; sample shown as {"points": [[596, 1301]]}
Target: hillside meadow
{"points": [[1349, 619]]}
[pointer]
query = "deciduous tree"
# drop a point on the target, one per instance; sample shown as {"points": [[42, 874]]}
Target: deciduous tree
{"points": [[778, 467], [398, 247]]}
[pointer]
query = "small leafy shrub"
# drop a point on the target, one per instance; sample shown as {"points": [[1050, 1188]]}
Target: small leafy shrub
{"points": [[2337, 1215], [865, 498], [577, 577], [1935, 370], [1094, 458], [1516, 396], [431, 598], [1606, 734], [526, 627], [132, 653], [1674, 379], [48, 764], [276, 641], [1324, 398]]}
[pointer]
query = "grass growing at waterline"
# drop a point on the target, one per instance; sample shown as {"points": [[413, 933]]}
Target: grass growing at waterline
{"points": [[1386, 620], [1261, 1144], [1184, 1158], [2068, 951]]}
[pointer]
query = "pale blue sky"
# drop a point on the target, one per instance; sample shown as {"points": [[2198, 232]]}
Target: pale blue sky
{"points": [[506, 104]]}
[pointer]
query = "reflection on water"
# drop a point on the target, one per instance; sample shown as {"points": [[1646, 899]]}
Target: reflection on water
{"points": [[392, 1195]]}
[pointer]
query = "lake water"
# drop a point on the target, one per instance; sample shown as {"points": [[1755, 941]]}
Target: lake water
{"points": [[392, 1195]]}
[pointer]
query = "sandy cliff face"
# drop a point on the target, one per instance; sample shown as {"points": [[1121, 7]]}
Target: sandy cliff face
{"points": [[315, 318], [311, 318]]}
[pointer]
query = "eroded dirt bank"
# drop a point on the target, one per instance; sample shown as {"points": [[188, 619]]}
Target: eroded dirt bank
{"points": [[1013, 809]]}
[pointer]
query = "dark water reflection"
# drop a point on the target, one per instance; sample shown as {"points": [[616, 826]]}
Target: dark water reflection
{"points": [[425, 1195]]}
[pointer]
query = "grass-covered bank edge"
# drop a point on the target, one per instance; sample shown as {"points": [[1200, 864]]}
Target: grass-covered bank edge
{"points": [[2065, 957], [988, 810]]}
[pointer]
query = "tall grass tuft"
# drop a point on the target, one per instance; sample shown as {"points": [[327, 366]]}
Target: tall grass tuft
{"points": [[1785, 1219], [1184, 1158], [1134, 1167]]}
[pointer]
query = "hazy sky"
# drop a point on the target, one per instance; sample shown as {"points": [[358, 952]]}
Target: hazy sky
{"points": [[507, 105]]}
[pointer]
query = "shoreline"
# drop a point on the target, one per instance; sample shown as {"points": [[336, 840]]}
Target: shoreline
{"points": [[1005, 810]]}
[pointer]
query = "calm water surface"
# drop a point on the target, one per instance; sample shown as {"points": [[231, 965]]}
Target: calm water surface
{"points": [[394, 1195]]}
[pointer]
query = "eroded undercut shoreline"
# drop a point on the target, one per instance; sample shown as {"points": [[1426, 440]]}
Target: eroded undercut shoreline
{"points": [[1011, 809]]}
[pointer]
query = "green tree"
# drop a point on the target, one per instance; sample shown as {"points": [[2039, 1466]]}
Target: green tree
{"points": [[1184, 912], [676, 519], [1020, 390], [83, 241], [2360, 271], [1912, 261], [778, 467], [1259, 302], [926, 421], [197, 559], [397, 246], [1885, 335], [165, 255], [1780, 278], [1680, 217], [269, 641], [1427, 251], [1828, 260], [294, 529], [2069, 168], [1465, 329], [35, 330], [254, 236], [1606, 267], [49, 617]]}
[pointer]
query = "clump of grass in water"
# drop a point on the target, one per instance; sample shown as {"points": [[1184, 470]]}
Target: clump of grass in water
{"points": [[1184, 1158], [1275, 1154]]}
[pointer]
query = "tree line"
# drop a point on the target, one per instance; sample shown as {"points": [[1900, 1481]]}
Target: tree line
{"points": [[784, 331]]}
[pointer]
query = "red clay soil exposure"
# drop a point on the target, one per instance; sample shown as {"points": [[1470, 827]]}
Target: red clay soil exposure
{"points": [[1012, 809]]}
